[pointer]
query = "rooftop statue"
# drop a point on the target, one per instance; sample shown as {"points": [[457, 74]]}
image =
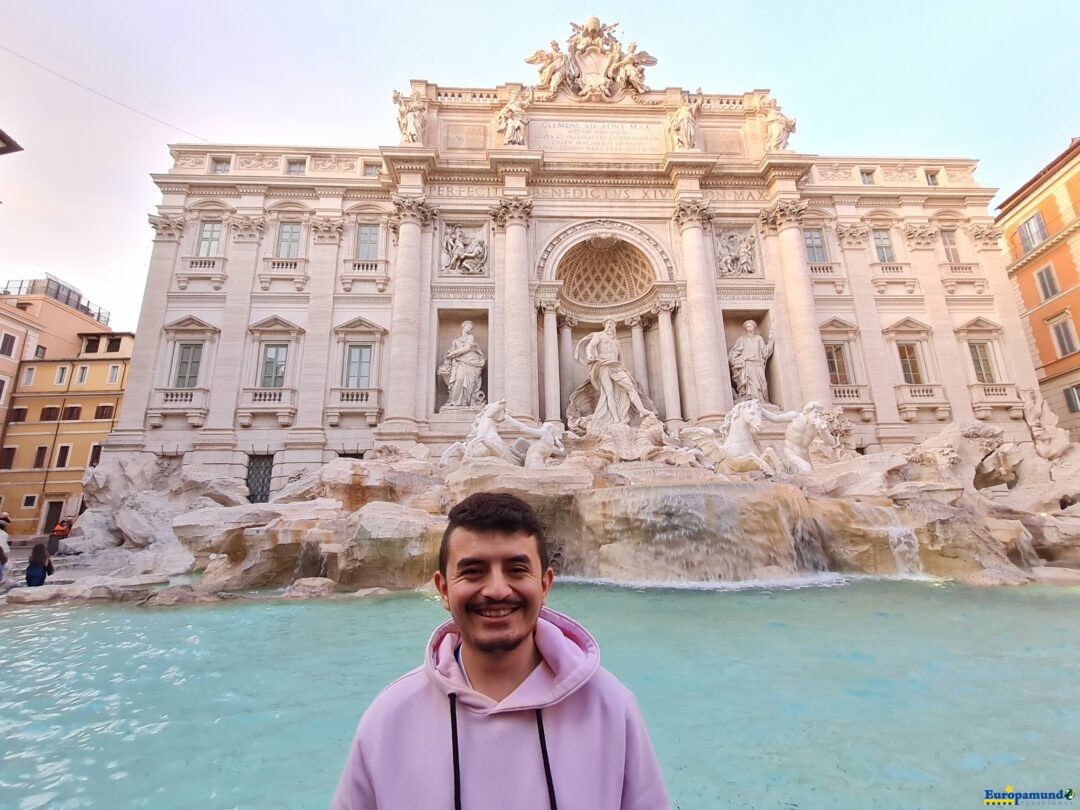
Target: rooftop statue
{"points": [[628, 70], [681, 124], [778, 127], [554, 69], [513, 120], [411, 120]]}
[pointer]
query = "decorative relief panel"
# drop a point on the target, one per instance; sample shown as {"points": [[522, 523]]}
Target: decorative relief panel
{"points": [[259, 161], [736, 253], [833, 172], [189, 161], [900, 171], [465, 251], [334, 163]]}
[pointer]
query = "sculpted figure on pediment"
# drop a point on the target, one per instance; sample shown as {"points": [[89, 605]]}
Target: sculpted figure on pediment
{"points": [[554, 68], [411, 113], [513, 120], [628, 70], [681, 124], [778, 127]]}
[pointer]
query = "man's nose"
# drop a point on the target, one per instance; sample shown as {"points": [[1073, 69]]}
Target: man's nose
{"points": [[497, 587]]}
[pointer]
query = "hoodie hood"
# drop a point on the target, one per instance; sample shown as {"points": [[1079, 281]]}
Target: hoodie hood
{"points": [[571, 657]]}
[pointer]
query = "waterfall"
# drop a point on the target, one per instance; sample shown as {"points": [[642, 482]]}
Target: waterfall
{"points": [[905, 550]]}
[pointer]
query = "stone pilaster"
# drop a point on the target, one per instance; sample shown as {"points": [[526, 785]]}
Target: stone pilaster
{"points": [[637, 340], [566, 359], [552, 412], [512, 214], [401, 395], [314, 371], [709, 368], [669, 371], [785, 217]]}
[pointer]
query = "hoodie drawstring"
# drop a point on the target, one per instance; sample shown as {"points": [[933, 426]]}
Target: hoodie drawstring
{"points": [[457, 759]]}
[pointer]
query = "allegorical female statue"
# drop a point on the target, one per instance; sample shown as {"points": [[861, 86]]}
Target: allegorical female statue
{"points": [[462, 368], [748, 357]]}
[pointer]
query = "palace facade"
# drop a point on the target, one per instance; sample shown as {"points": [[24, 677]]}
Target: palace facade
{"points": [[301, 302]]}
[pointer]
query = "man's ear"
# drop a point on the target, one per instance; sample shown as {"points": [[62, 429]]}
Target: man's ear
{"points": [[441, 587], [546, 582]]}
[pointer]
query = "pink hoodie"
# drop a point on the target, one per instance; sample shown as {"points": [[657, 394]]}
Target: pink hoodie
{"points": [[598, 750]]}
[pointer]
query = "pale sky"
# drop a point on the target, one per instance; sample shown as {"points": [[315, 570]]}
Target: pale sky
{"points": [[994, 81]]}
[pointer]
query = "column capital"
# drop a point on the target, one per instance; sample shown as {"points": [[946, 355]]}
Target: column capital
{"points": [[247, 229], [920, 235], [692, 212], [327, 230], [852, 235], [548, 307], [413, 208], [566, 320], [783, 214], [634, 322], [985, 237], [512, 210], [666, 306], [167, 228]]}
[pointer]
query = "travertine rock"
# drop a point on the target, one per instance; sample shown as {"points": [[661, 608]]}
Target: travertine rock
{"points": [[388, 545], [356, 482], [311, 588], [1049, 575]]}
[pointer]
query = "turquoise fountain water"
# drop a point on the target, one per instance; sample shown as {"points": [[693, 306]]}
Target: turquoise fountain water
{"points": [[876, 694]]}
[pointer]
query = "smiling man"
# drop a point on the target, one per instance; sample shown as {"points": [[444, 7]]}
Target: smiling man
{"points": [[511, 709]]}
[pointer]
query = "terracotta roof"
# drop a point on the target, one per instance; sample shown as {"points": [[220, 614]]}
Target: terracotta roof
{"points": [[1070, 151]]}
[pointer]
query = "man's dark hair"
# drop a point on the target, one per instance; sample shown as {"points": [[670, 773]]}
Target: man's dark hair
{"points": [[494, 512]]}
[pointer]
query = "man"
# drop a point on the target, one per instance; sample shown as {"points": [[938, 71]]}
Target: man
{"points": [[511, 709]]}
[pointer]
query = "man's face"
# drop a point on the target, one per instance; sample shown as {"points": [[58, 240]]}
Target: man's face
{"points": [[493, 588]]}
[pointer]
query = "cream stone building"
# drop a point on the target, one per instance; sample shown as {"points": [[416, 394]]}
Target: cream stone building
{"points": [[301, 302]]}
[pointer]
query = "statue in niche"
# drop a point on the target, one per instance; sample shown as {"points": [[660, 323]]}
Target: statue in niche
{"points": [[735, 251], [616, 389], [463, 254], [778, 127], [554, 68], [461, 370], [681, 124], [513, 120], [411, 117], [627, 70], [748, 358]]}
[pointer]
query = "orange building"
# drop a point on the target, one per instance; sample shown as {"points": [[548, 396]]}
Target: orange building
{"points": [[1041, 225]]}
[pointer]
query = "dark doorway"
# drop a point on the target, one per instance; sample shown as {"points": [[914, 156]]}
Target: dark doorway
{"points": [[260, 470], [53, 511]]}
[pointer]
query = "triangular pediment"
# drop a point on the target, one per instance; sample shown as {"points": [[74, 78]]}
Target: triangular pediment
{"points": [[907, 325], [838, 325], [360, 325], [189, 323], [979, 324], [275, 323]]}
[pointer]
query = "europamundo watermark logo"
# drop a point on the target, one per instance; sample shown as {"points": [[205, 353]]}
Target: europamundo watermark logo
{"points": [[1012, 796]]}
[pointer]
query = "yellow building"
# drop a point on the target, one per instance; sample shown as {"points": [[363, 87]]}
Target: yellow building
{"points": [[1041, 225], [60, 412]]}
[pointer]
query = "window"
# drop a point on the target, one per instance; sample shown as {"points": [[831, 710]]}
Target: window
{"points": [[104, 412], [1064, 335], [909, 363], [114, 375], [209, 239], [371, 170], [7, 345], [1032, 232], [28, 375], [3, 387], [1048, 286], [63, 453], [61, 375], [358, 367], [39, 352], [367, 242], [980, 360], [29, 501], [113, 346], [931, 177], [288, 244], [836, 357], [71, 413], [7, 458], [80, 375], [867, 176], [187, 365], [220, 165], [1072, 399], [92, 345], [95, 455], [17, 415], [883, 245], [948, 241], [273, 365], [296, 168], [50, 414], [814, 238], [39, 457], [260, 471]]}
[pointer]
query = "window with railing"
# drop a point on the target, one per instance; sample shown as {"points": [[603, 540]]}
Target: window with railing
{"points": [[358, 366], [948, 241], [883, 245], [188, 357], [367, 241], [980, 361], [273, 365], [836, 357], [209, 240], [288, 246], [814, 239]]}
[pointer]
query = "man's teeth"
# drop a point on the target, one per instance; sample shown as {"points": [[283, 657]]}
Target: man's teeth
{"points": [[495, 613]]}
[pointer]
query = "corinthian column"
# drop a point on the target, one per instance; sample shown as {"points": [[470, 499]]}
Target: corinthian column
{"points": [[710, 367], [566, 359], [637, 340], [401, 395], [786, 218], [669, 364], [551, 363], [512, 213]]}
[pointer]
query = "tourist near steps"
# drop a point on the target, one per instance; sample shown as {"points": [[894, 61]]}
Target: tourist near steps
{"points": [[578, 350]]}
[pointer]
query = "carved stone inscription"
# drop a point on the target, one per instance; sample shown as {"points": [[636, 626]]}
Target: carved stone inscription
{"points": [[596, 136], [631, 193]]}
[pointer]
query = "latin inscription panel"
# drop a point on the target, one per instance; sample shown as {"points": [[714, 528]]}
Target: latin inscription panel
{"points": [[597, 136]]}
